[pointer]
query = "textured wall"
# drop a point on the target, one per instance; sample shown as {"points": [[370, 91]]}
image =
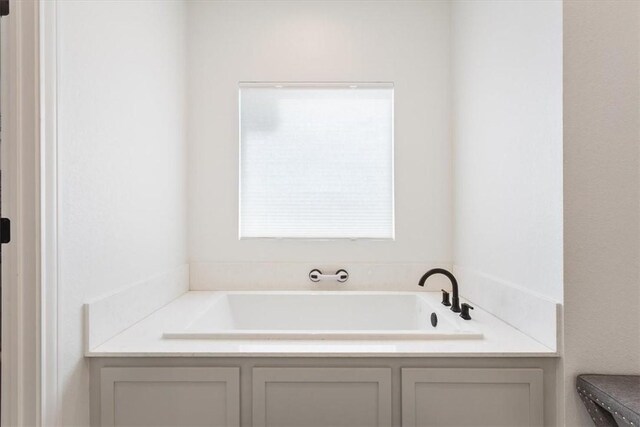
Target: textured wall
{"points": [[402, 42], [122, 183], [601, 185], [507, 142]]}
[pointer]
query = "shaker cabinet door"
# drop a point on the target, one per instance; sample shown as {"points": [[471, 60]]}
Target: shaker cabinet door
{"points": [[320, 397], [471, 397], [176, 397]]}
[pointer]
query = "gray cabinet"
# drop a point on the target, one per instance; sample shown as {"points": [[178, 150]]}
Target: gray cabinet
{"points": [[141, 396], [372, 392], [305, 397], [472, 397]]}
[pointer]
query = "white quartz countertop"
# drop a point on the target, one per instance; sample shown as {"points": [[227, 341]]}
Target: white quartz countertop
{"points": [[145, 339]]}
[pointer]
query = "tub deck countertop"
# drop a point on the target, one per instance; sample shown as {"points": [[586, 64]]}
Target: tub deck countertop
{"points": [[145, 339]]}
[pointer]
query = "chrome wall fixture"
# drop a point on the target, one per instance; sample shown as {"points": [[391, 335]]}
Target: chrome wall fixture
{"points": [[316, 275]]}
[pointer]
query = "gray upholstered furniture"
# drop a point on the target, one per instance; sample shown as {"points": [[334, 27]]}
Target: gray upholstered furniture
{"points": [[611, 400]]}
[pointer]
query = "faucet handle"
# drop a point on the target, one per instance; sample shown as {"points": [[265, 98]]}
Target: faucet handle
{"points": [[316, 275], [445, 298], [464, 311]]}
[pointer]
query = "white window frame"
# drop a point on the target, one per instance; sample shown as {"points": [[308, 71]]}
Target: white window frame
{"points": [[324, 85]]}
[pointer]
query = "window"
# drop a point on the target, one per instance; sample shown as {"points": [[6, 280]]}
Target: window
{"points": [[316, 161]]}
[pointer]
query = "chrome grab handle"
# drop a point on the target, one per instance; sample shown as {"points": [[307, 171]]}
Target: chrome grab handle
{"points": [[340, 276]]}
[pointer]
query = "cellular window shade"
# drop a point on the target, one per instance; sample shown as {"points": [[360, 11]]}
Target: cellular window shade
{"points": [[316, 161]]}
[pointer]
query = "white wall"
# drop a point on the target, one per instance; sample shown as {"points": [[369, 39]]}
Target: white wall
{"points": [[601, 187], [507, 139], [123, 95], [402, 42], [122, 159]]}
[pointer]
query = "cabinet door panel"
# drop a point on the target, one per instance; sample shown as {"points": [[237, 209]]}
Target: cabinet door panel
{"points": [[472, 397], [176, 397], [320, 397]]}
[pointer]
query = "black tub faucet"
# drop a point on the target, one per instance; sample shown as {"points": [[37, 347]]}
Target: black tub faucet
{"points": [[455, 300]]}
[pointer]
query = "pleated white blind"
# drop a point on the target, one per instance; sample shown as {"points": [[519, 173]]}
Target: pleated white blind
{"points": [[316, 161]]}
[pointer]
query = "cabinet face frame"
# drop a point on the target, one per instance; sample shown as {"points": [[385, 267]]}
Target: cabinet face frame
{"points": [[264, 376], [110, 376], [413, 376]]}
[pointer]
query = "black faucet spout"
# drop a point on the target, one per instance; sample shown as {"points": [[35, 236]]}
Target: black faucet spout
{"points": [[455, 299]]}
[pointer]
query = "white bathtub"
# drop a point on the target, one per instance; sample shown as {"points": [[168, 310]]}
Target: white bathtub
{"points": [[324, 316]]}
